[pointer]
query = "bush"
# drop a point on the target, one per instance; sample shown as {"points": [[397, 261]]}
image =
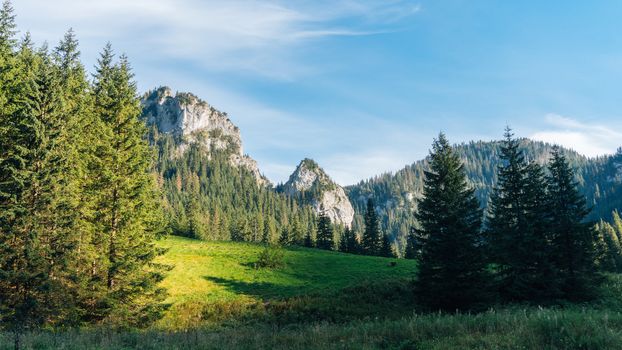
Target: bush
{"points": [[271, 257]]}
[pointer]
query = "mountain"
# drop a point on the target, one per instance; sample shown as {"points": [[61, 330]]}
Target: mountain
{"points": [[214, 191], [193, 121], [396, 194], [211, 189], [312, 185]]}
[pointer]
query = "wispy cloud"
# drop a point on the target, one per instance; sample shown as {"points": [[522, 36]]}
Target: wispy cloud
{"points": [[588, 139], [256, 36]]}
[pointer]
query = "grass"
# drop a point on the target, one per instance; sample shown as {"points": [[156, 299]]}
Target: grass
{"points": [[328, 300], [531, 328], [216, 282]]}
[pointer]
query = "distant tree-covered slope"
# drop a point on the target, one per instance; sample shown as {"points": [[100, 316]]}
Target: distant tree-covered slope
{"points": [[207, 197], [396, 194]]}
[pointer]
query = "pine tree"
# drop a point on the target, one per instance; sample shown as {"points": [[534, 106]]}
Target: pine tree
{"points": [[127, 217], [78, 149], [411, 246], [348, 242], [451, 272], [296, 233], [517, 227], [617, 224], [309, 243], [608, 250], [37, 237], [386, 248], [268, 230], [371, 241], [325, 238], [241, 231], [285, 238], [573, 238]]}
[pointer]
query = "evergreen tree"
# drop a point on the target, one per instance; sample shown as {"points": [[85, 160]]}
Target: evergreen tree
{"points": [[268, 231], [39, 280], [517, 227], [349, 242], [296, 234], [371, 241], [285, 238], [573, 238], [411, 246], [309, 243], [127, 218], [325, 238], [451, 272], [608, 251], [241, 231], [386, 248], [617, 225]]}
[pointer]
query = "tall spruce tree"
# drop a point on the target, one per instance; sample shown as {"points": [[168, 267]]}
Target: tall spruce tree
{"points": [[325, 239], [348, 242], [371, 241], [411, 246], [608, 250], [517, 227], [37, 239], [127, 217], [573, 238], [386, 248], [451, 274], [309, 243]]}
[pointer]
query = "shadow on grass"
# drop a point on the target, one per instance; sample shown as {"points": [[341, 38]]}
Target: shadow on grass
{"points": [[259, 290]]}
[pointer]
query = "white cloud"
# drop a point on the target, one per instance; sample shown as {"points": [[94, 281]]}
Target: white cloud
{"points": [[254, 36], [588, 139]]}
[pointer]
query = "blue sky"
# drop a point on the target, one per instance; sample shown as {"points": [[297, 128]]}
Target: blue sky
{"points": [[364, 86]]}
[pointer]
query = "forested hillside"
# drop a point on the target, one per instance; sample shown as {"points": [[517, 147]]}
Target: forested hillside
{"points": [[396, 194], [208, 198]]}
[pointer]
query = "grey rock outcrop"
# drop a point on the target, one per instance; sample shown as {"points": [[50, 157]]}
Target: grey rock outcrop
{"points": [[192, 120], [321, 192]]}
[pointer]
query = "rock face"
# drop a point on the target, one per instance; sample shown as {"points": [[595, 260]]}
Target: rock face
{"points": [[309, 179], [192, 120]]}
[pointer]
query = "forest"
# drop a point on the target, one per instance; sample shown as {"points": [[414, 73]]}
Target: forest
{"points": [[114, 236]]}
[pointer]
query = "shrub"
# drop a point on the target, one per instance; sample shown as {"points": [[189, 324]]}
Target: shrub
{"points": [[271, 257]]}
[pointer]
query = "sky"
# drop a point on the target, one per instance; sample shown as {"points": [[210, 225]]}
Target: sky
{"points": [[364, 86]]}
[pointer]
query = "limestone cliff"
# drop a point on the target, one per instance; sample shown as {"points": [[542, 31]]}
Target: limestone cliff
{"points": [[311, 183], [192, 120]]}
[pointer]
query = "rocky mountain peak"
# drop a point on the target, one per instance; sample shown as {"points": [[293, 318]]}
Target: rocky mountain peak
{"points": [[192, 120], [321, 191]]}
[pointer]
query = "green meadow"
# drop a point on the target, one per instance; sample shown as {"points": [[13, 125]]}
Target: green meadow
{"points": [[329, 300], [215, 282]]}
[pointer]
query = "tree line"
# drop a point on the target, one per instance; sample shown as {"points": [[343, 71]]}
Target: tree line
{"points": [[79, 206], [396, 194], [533, 244]]}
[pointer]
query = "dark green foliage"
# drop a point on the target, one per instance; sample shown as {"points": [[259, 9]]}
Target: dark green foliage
{"points": [[451, 274], [573, 238], [78, 206], [227, 199], [271, 257], [518, 227], [325, 239], [608, 250], [309, 242], [285, 238], [371, 241], [411, 246], [348, 243], [386, 248], [395, 194], [126, 216]]}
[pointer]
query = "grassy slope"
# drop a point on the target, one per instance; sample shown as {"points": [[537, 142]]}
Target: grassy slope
{"points": [[210, 279], [321, 300]]}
